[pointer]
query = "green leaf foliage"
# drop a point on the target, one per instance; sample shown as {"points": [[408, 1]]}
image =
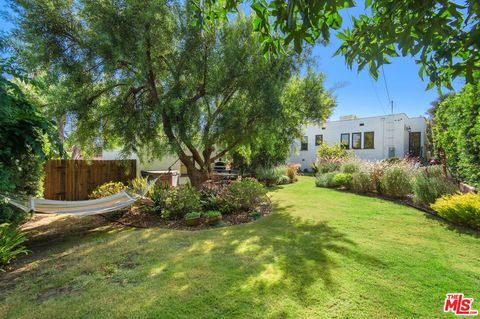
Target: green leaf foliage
{"points": [[176, 202], [430, 184], [24, 135], [107, 189], [441, 35], [11, 240], [456, 132]]}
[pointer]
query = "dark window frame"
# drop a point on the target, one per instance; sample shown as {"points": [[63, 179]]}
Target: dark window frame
{"points": [[360, 139], [321, 137], [304, 145], [373, 141], [348, 140]]}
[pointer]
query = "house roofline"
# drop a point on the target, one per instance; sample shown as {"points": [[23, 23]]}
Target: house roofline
{"points": [[371, 117]]}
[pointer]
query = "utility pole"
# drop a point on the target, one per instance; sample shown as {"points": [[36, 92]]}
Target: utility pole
{"points": [[391, 103]]}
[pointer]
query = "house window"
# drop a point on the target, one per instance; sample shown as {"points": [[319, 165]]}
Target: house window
{"points": [[345, 140], [318, 140], [304, 143], [368, 138], [356, 140]]}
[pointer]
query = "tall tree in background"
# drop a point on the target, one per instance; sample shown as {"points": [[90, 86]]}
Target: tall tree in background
{"points": [[273, 145], [143, 75], [442, 35]]}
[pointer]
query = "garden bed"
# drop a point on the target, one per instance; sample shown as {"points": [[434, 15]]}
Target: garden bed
{"points": [[140, 217]]}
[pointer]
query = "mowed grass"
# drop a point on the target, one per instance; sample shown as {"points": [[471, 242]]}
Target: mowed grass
{"points": [[321, 254]]}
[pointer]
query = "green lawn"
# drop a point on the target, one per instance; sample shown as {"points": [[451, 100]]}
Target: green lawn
{"points": [[321, 254]]}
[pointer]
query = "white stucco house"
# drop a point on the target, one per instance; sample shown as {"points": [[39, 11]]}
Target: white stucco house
{"points": [[168, 162], [371, 138]]}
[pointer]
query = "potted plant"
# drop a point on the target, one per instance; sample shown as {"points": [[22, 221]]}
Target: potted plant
{"points": [[193, 219], [212, 217]]}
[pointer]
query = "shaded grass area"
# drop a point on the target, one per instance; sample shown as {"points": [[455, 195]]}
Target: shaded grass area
{"points": [[321, 254]]}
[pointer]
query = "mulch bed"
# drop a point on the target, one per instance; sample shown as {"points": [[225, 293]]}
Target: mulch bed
{"points": [[141, 218]]}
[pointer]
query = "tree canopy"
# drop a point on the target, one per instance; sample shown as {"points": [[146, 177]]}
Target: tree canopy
{"points": [[157, 81], [442, 35]]}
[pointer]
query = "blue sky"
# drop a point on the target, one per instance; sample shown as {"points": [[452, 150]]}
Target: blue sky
{"points": [[358, 93], [361, 95]]}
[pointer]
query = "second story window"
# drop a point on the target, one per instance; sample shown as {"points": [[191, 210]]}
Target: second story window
{"points": [[356, 140], [318, 140], [304, 143], [345, 140]]}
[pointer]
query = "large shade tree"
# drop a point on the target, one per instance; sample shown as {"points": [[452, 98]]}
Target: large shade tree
{"points": [[145, 76]]}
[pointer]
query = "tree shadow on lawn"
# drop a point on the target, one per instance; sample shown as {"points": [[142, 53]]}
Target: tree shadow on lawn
{"points": [[253, 265], [249, 265], [295, 253], [284, 254], [45, 230], [47, 239]]}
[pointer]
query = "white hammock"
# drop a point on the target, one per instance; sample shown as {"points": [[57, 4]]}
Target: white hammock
{"points": [[82, 207]]}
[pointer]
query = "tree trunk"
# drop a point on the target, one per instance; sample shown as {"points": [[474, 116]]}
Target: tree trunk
{"points": [[197, 176]]}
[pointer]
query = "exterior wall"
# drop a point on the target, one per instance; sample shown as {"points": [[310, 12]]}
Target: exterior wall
{"points": [[390, 131], [158, 165]]}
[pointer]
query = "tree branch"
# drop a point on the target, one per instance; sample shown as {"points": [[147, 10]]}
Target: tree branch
{"points": [[104, 90], [167, 125], [237, 141]]}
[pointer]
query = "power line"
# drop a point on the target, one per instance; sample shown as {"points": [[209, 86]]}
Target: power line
{"points": [[380, 102], [386, 88]]}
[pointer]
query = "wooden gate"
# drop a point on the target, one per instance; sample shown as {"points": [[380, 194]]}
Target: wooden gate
{"points": [[76, 179]]}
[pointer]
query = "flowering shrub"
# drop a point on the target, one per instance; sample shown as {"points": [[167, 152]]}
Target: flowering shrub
{"points": [[397, 180], [331, 152], [272, 175], [430, 184], [325, 180], [107, 189], [329, 158], [292, 172], [463, 209], [376, 173], [247, 192], [244, 194], [362, 183], [138, 186], [176, 202], [342, 179], [284, 179], [323, 167], [350, 166]]}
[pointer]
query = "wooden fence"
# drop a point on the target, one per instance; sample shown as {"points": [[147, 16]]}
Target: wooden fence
{"points": [[76, 179]]}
